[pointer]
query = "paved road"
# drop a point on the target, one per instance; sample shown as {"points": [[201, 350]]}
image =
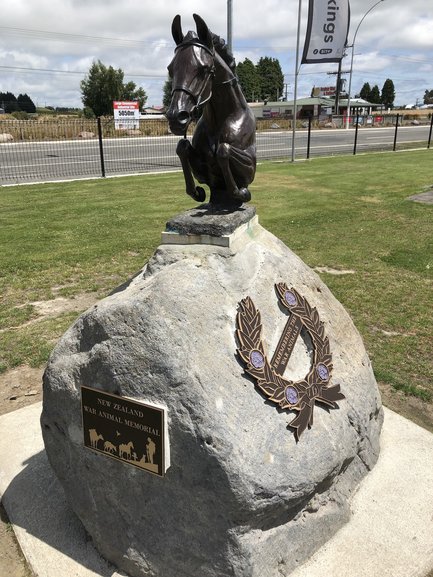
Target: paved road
{"points": [[330, 142], [58, 160]]}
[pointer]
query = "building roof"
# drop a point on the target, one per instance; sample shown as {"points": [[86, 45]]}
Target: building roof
{"points": [[312, 101], [308, 101], [357, 102]]}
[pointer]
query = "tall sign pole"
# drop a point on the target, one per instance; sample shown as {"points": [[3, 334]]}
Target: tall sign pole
{"points": [[229, 25], [295, 89]]}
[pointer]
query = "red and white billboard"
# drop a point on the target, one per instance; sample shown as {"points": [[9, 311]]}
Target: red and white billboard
{"points": [[126, 114]]}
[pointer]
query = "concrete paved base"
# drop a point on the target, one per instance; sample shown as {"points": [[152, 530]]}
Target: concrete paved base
{"points": [[390, 532]]}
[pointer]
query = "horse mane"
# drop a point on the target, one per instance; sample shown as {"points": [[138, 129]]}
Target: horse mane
{"points": [[219, 44], [223, 50]]}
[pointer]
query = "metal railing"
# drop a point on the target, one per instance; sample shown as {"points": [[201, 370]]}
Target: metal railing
{"points": [[61, 149]]}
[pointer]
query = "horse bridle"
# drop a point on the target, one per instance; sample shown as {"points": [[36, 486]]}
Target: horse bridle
{"points": [[198, 102], [197, 98]]}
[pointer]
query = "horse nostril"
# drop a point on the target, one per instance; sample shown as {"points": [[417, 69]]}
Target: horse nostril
{"points": [[183, 117]]}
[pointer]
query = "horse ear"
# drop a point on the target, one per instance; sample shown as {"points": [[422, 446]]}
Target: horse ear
{"points": [[176, 30], [203, 31]]}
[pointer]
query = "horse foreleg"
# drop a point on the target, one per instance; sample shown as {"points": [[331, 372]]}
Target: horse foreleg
{"points": [[244, 166], [183, 150]]}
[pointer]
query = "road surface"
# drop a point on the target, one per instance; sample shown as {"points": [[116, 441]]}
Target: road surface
{"points": [[59, 160]]}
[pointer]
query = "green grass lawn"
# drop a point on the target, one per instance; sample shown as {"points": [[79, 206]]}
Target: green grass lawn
{"points": [[344, 213]]}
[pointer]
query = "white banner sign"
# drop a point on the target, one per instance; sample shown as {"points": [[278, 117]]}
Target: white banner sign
{"points": [[126, 114], [328, 26]]}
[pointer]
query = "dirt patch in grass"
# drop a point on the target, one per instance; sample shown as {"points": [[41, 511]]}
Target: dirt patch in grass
{"points": [[334, 271], [57, 306], [63, 305], [22, 386]]}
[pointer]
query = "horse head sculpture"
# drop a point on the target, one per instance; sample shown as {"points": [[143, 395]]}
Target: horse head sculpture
{"points": [[205, 89]]}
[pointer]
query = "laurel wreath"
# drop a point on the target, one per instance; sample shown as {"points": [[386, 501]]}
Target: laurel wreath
{"points": [[300, 395]]}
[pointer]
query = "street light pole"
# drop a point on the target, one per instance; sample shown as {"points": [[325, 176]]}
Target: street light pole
{"points": [[351, 60]]}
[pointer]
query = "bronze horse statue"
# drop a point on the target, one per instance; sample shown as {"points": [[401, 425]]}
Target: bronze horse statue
{"points": [[222, 153]]}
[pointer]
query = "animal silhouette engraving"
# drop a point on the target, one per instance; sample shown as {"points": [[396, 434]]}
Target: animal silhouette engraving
{"points": [[109, 447], [94, 438], [126, 450]]}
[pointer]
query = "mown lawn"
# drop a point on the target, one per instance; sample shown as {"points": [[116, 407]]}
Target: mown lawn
{"points": [[343, 213]]}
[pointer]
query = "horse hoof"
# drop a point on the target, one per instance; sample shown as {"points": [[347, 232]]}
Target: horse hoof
{"points": [[200, 194], [243, 194]]}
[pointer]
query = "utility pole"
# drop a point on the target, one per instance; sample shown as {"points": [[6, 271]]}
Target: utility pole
{"points": [[337, 90], [338, 86]]}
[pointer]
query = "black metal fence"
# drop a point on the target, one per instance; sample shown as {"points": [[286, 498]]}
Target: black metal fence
{"points": [[74, 148], [61, 149]]}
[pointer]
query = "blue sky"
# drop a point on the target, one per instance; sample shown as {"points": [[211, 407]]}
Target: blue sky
{"points": [[46, 47]]}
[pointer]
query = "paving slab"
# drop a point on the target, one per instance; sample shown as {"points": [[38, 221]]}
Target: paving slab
{"points": [[390, 532], [423, 197]]}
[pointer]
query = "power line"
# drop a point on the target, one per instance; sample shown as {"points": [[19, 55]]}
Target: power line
{"points": [[80, 72], [64, 36]]}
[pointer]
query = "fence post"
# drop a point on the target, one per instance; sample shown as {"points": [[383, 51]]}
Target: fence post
{"points": [[356, 133], [430, 133], [101, 148], [395, 134], [309, 137]]}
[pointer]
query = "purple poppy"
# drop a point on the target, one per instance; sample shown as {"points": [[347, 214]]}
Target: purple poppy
{"points": [[291, 395], [290, 298], [322, 371], [257, 359]]}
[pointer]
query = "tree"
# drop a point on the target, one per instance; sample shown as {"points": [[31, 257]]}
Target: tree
{"points": [[104, 84], [375, 95], [249, 80], [388, 93], [428, 97], [271, 78], [167, 90], [25, 103], [365, 93], [8, 102], [131, 92]]}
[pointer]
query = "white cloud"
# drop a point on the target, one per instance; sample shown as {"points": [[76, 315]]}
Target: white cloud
{"points": [[136, 36]]}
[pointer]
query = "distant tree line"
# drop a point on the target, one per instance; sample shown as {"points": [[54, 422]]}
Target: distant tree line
{"points": [[10, 103], [262, 81], [375, 96]]}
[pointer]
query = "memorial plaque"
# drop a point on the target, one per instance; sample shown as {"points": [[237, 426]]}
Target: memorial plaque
{"points": [[123, 429], [301, 395]]}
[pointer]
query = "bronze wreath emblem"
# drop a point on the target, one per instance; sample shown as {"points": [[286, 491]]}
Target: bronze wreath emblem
{"points": [[301, 395]]}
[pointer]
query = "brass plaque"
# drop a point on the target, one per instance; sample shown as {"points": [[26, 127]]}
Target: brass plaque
{"points": [[302, 395], [126, 430]]}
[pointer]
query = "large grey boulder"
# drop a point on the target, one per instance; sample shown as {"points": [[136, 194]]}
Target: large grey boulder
{"points": [[242, 496]]}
